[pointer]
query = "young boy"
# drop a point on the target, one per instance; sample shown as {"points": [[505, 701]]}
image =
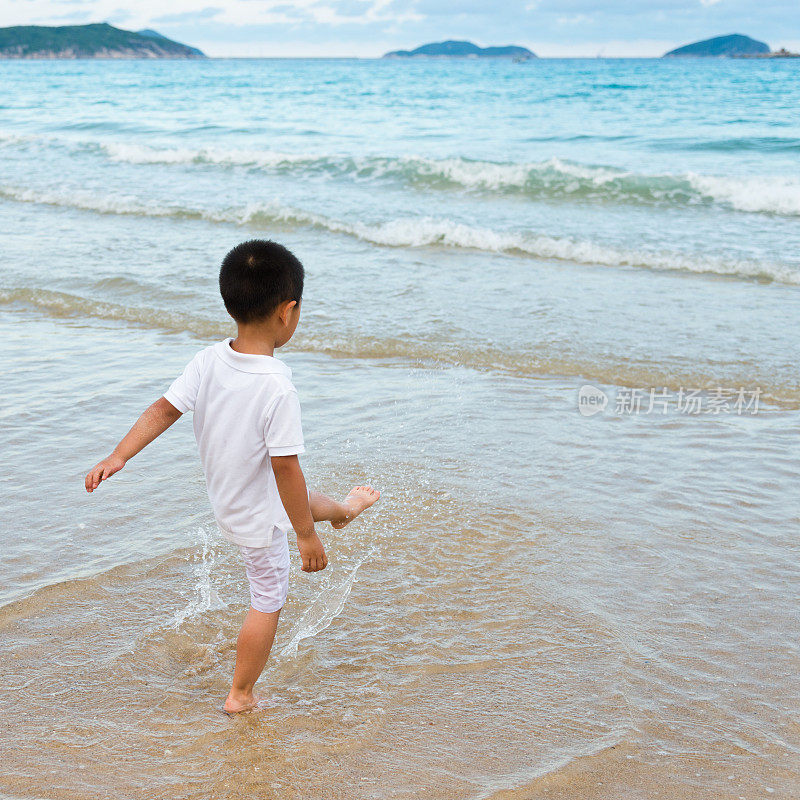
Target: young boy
{"points": [[247, 426]]}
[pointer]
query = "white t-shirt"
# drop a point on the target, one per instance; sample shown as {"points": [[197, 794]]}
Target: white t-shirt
{"points": [[245, 410]]}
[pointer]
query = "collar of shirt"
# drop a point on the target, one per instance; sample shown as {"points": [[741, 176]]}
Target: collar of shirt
{"points": [[249, 362]]}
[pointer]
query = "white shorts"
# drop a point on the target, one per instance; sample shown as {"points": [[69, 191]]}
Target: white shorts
{"points": [[268, 573]]}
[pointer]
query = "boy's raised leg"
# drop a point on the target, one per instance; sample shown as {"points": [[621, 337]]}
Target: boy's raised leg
{"points": [[326, 509], [252, 651]]}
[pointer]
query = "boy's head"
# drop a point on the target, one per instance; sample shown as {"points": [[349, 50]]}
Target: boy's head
{"points": [[259, 278]]}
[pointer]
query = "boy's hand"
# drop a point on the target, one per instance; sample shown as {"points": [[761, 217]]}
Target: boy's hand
{"points": [[105, 469], [312, 552], [153, 422]]}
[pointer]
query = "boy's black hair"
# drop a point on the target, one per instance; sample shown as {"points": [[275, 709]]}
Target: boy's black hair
{"points": [[256, 277]]}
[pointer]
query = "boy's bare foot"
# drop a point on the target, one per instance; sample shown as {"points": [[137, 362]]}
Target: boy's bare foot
{"points": [[243, 705], [359, 499]]}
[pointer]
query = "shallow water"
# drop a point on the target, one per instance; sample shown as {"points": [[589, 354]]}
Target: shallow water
{"points": [[543, 603]]}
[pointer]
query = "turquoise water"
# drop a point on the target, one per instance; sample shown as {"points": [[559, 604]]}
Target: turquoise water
{"points": [[653, 164], [625, 178], [603, 605]]}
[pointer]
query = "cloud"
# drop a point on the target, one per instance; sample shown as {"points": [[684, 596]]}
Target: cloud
{"points": [[68, 16], [119, 16], [352, 8], [574, 20], [188, 16]]}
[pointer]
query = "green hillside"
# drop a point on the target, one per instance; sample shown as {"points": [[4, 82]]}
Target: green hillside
{"points": [[456, 49], [730, 46], [99, 40]]}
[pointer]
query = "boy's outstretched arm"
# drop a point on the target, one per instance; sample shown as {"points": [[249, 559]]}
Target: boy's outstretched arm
{"points": [[155, 420], [294, 496]]}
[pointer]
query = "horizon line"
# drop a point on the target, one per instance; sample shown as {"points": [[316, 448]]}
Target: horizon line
{"points": [[492, 59]]}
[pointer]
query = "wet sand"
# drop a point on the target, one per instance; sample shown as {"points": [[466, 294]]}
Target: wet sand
{"points": [[468, 640]]}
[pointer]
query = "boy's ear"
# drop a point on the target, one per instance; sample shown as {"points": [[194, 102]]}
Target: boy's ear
{"points": [[286, 311]]}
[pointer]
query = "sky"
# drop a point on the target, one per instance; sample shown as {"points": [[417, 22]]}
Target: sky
{"points": [[368, 28]]}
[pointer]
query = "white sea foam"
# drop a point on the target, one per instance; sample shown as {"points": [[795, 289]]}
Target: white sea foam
{"points": [[421, 232], [432, 232], [465, 172], [554, 176], [89, 201], [551, 178], [147, 154], [777, 195], [12, 138]]}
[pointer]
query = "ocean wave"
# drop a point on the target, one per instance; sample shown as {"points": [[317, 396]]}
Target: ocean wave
{"points": [[777, 195], [735, 144], [552, 179], [9, 138], [418, 232], [548, 179], [428, 352], [64, 304], [432, 232]]}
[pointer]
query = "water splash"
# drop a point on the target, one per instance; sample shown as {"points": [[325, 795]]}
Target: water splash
{"points": [[206, 597], [328, 605]]}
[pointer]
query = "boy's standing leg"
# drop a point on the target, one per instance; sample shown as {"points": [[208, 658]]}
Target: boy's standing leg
{"points": [[252, 651], [258, 630]]}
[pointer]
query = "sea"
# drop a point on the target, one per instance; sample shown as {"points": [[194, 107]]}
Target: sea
{"points": [[551, 312]]}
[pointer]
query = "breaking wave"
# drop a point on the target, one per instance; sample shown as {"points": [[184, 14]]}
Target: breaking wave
{"points": [[419, 232], [548, 179], [552, 179]]}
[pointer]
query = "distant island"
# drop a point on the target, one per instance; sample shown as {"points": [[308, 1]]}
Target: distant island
{"points": [[453, 49], [99, 40], [733, 46]]}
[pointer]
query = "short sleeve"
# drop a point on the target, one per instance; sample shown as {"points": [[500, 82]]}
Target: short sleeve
{"points": [[283, 432], [183, 392]]}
